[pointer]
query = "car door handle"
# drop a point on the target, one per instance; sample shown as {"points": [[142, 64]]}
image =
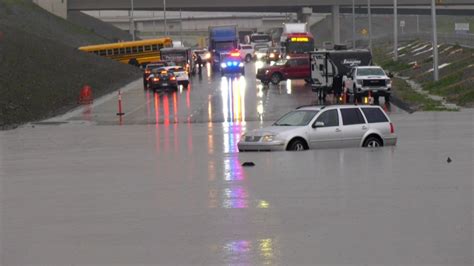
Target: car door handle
{"points": [[364, 127], [338, 130]]}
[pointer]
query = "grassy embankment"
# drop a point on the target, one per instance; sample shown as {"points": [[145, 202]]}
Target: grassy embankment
{"points": [[456, 76], [42, 72]]}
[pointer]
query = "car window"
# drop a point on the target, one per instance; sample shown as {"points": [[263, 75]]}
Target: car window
{"points": [[352, 116], [370, 71], [296, 118], [303, 62], [374, 115], [330, 118], [293, 62]]}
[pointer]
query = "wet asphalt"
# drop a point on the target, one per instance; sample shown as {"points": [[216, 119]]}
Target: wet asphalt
{"points": [[166, 186]]}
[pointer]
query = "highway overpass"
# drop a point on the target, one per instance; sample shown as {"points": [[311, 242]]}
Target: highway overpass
{"points": [[243, 5]]}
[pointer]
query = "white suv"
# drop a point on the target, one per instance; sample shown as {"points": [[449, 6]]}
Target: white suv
{"points": [[246, 52], [317, 127], [364, 79]]}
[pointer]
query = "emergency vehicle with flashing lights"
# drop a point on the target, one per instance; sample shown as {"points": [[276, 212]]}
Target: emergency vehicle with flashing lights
{"points": [[232, 63]]}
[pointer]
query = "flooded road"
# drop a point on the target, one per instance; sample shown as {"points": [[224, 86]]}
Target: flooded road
{"points": [[168, 187], [209, 98]]}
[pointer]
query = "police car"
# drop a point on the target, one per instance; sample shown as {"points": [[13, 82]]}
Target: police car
{"points": [[232, 63]]}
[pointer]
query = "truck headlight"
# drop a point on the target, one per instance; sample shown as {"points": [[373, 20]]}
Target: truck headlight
{"points": [[267, 71], [268, 138], [241, 64], [272, 55], [223, 65]]}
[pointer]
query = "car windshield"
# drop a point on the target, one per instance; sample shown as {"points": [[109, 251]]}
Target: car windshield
{"points": [[296, 118], [370, 72]]}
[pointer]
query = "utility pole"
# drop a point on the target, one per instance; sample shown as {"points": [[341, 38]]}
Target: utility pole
{"points": [[370, 23], [180, 26], [395, 30], [132, 22], [353, 25], [164, 17], [435, 41]]}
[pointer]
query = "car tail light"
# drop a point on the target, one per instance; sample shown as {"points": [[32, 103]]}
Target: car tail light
{"points": [[173, 78], [147, 71], [156, 79], [392, 129]]}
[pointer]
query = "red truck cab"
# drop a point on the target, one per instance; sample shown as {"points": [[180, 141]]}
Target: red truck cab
{"points": [[291, 67]]}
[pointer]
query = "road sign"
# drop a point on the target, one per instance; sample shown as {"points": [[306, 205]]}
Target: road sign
{"points": [[461, 27], [402, 23]]}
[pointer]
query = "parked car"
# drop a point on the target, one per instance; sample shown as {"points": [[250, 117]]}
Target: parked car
{"points": [[294, 67], [316, 127], [273, 54], [204, 53], [161, 78], [364, 79], [149, 68], [246, 52], [260, 52], [180, 73]]}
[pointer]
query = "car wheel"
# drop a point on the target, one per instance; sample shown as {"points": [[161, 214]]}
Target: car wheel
{"points": [[275, 78], [296, 145], [372, 142], [248, 58]]}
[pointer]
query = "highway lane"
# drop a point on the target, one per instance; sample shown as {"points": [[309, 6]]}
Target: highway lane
{"points": [[209, 98]]}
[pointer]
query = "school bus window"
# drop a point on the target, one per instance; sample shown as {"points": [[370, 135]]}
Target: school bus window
{"points": [[140, 49], [122, 50], [95, 52], [129, 50], [109, 52], [134, 49], [102, 52], [147, 48], [154, 47], [116, 51]]}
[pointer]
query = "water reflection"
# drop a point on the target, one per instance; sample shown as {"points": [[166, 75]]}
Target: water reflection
{"points": [[247, 252]]}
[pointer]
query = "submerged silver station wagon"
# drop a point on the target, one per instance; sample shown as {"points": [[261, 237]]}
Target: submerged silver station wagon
{"points": [[316, 127]]}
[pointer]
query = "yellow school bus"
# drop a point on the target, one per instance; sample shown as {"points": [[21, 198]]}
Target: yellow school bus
{"points": [[134, 53]]}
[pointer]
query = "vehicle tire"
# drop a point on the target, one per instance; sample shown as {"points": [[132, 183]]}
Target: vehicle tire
{"points": [[242, 72], [275, 78], [372, 142], [387, 98], [248, 58], [296, 145]]}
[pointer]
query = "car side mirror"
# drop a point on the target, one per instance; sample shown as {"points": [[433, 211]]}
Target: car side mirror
{"points": [[318, 124]]}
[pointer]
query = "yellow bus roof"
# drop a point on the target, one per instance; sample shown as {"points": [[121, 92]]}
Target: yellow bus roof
{"points": [[124, 44]]}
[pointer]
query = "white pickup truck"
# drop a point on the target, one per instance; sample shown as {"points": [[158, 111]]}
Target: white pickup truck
{"points": [[364, 79], [246, 52]]}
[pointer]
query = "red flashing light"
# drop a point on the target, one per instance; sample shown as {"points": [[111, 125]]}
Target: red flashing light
{"points": [[235, 54]]}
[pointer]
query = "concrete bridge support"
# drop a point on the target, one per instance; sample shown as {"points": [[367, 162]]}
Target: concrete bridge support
{"points": [[336, 25], [57, 7]]}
